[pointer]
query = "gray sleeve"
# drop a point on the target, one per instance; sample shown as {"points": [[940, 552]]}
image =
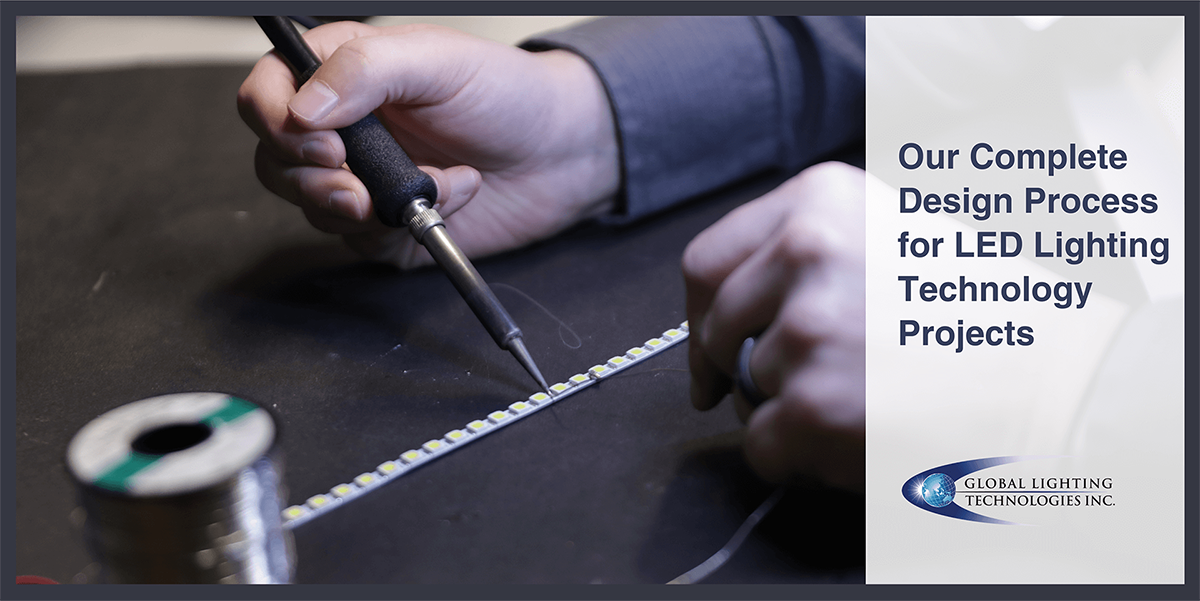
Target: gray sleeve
{"points": [[701, 102]]}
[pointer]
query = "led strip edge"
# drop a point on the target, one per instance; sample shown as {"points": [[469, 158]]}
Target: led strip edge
{"points": [[412, 459]]}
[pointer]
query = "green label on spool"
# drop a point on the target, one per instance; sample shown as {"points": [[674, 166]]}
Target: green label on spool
{"points": [[234, 409], [117, 478]]}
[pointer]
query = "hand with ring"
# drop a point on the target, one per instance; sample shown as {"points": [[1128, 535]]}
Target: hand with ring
{"points": [[788, 271]]}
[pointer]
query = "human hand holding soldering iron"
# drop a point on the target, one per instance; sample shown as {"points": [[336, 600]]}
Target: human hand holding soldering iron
{"points": [[522, 146], [527, 136]]}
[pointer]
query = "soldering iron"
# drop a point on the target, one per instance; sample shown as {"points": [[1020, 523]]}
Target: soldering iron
{"points": [[402, 194]]}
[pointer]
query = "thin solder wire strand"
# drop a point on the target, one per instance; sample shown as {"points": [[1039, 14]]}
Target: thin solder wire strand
{"points": [[718, 559]]}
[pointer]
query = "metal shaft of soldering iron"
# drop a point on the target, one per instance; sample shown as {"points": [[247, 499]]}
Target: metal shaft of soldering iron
{"points": [[402, 194]]}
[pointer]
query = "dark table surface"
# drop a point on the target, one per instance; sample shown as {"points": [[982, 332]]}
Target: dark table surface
{"points": [[149, 260]]}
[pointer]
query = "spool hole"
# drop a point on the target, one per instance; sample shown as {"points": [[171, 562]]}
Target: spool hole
{"points": [[171, 438]]}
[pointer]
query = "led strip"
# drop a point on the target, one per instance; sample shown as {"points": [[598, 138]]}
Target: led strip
{"points": [[409, 460]]}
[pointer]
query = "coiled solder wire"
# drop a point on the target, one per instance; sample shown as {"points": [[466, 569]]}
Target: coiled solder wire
{"points": [[183, 488]]}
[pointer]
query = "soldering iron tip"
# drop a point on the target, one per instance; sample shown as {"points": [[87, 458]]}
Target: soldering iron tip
{"points": [[517, 347]]}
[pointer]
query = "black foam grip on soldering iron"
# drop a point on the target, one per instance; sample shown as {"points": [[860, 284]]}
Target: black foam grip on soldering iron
{"points": [[384, 168], [371, 152], [391, 177]]}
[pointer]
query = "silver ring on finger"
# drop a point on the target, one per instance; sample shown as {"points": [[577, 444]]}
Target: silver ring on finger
{"points": [[743, 380]]}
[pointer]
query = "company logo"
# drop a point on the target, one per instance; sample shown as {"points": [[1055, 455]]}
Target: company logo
{"points": [[950, 489]]}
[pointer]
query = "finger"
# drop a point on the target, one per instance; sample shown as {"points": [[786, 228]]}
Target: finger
{"points": [[344, 214], [779, 351], [714, 253], [456, 186], [816, 424], [709, 385], [332, 224], [262, 103], [798, 250], [264, 96], [785, 438], [745, 303], [336, 192], [741, 406], [364, 73], [823, 315], [707, 262], [799, 325]]}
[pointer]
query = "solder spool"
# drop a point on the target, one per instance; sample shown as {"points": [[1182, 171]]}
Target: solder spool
{"points": [[183, 488]]}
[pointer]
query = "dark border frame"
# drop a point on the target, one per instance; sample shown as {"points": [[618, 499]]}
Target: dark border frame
{"points": [[1190, 10]]}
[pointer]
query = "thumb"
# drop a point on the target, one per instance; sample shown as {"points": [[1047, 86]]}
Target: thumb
{"points": [[396, 246], [406, 66], [455, 185]]}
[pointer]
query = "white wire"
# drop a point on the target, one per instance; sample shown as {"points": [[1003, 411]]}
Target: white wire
{"points": [[718, 559]]}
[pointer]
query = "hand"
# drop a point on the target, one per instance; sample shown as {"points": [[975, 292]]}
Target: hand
{"points": [[528, 136], [790, 266]]}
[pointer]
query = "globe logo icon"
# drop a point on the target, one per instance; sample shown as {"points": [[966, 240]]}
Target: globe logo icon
{"points": [[938, 490]]}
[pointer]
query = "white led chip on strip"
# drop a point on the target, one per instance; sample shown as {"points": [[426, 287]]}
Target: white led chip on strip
{"points": [[318, 501], [672, 335], [520, 407], [318, 504], [294, 512], [599, 371]]}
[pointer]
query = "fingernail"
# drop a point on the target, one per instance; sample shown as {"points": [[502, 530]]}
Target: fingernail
{"points": [[345, 203], [319, 152], [314, 101]]}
